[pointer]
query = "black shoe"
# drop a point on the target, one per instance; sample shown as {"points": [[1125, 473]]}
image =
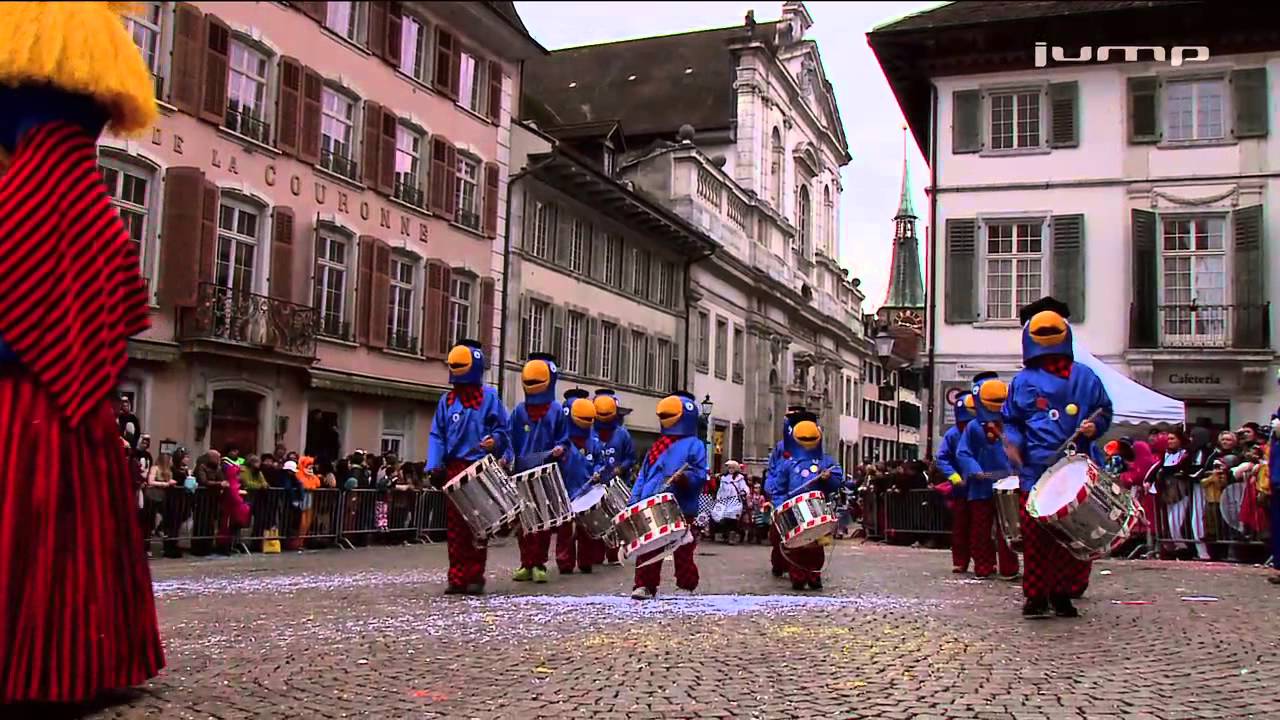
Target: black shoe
{"points": [[474, 589], [586, 570], [1035, 607], [454, 590], [815, 584], [1062, 607], [1078, 594], [779, 573], [797, 585]]}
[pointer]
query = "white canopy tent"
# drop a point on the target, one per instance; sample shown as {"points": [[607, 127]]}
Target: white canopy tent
{"points": [[1132, 402]]}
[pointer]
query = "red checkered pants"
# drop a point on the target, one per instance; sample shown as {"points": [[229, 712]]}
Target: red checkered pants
{"points": [[466, 561], [1049, 569], [982, 515], [650, 576], [802, 564], [573, 544], [534, 548], [959, 508]]}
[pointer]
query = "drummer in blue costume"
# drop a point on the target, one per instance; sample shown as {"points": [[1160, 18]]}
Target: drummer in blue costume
{"points": [[958, 495], [1273, 477], [780, 456], [981, 460], [676, 463], [619, 451], [1049, 400], [539, 434], [808, 469], [583, 462], [470, 422]]}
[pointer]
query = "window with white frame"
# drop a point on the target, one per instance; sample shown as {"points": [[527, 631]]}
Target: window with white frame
{"points": [[804, 222], [578, 244], [337, 132], [400, 327], [415, 48], [638, 349], [1193, 291], [612, 259], [722, 347], [1195, 109], [608, 346], [329, 296], [662, 374], [544, 227], [247, 92], [239, 225], [704, 339], [347, 19], [775, 168], [147, 29], [473, 87], [468, 192], [1014, 266], [129, 187], [536, 336], [739, 352], [1015, 119], [573, 334], [640, 272], [665, 272], [460, 288], [408, 187], [397, 427]]}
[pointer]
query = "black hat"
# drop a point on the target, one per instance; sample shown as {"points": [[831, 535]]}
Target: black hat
{"points": [[802, 415], [686, 395], [1045, 303], [542, 356], [793, 409], [985, 375], [474, 344], [605, 391], [576, 394]]}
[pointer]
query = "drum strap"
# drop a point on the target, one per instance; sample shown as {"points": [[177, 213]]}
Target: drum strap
{"points": [[828, 552]]}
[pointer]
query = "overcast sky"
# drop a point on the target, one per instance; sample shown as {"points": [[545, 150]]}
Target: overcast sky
{"points": [[872, 121]]}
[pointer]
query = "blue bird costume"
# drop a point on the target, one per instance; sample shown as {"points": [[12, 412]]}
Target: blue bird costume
{"points": [[584, 460], [538, 426], [678, 448], [619, 450], [802, 472], [1048, 400], [957, 494], [981, 459], [465, 417]]}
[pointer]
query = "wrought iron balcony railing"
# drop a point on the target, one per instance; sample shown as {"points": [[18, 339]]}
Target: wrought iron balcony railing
{"points": [[242, 122], [1195, 327], [338, 163], [466, 218], [409, 193], [251, 320]]}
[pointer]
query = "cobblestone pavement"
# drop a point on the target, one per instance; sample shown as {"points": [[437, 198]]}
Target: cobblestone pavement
{"points": [[895, 635]]}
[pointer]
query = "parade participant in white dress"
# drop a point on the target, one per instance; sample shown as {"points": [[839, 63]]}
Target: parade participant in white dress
{"points": [[730, 500]]}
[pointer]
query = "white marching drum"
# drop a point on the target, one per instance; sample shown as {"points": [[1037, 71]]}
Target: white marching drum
{"points": [[653, 525], [1008, 504], [804, 519], [544, 503], [1083, 507], [485, 496]]}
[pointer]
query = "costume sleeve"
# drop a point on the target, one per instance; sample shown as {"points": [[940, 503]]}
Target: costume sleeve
{"points": [[627, 453], [1015, 419], [495, 424], [436, 440], [696, 473], [966, 459], [515, 429], [1099, 399], [638, 490], [945, 458]]}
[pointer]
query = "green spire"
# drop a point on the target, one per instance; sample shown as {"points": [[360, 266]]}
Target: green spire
{"points": [[905, 208]]}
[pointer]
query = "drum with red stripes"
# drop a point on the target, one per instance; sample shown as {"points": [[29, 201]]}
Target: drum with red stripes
{"points": [[654, 524], [804, 519], [1083, 507]]}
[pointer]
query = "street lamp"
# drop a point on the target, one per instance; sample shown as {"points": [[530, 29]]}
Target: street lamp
{"points": [[884, 349]]}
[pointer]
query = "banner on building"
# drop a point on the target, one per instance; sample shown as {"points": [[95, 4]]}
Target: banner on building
{"points": [[950, 392]]}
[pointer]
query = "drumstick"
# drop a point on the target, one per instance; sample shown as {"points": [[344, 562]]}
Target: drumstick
{"points": [[1076, 434], [679, 470]]}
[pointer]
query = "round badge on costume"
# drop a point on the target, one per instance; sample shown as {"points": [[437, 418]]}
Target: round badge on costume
{"points": [[456, 417], [1053, 414], [1073, 409], [813, 468], [804, 473]]}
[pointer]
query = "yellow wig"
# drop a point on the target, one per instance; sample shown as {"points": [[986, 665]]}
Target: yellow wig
{"points": [[80, 47]]}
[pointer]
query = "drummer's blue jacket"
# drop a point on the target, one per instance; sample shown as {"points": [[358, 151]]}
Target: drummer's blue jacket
{"points": [[976, 454], [531, 440], [619, 451], [799, 474], [580, 463], [946, 458], [1044, 409], [456, 430], [689, 450]]}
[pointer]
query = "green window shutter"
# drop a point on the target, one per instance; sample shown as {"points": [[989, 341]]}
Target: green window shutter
{"points": [[1144, 313], [1249, 326], [1249, 98], [1068, 263], [564, 236], [1064, 127], [1144, 110], [962, 260], [966, 121]]}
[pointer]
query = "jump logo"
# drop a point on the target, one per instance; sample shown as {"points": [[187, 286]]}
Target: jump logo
{"points": [[1176, 56]]}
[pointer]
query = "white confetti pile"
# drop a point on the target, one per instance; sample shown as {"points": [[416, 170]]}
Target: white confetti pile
{"points": [[288, 584]]}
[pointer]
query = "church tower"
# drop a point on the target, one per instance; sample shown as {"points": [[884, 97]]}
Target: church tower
{"points": [[904, 303]]}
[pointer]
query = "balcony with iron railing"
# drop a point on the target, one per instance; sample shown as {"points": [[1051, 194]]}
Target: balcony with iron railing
{"points": [[410, 193], [334, 161], [468, 218], [243, 122], [225, 315], [1195, 327]]}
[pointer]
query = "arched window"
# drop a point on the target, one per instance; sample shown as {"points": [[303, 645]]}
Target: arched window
{"points": [[804, 221], [775, 168], [828, 221]]}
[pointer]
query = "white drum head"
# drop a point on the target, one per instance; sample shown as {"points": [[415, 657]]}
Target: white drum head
{"points": [[1054, 492], [1231, 502], [1009, 483], [588, 499]]}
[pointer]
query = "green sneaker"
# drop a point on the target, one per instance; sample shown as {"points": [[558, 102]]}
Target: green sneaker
{"points": [[523, 575], [539, 575]]}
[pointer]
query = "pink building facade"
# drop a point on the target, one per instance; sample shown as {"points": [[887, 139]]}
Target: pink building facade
{"points": [[321, 212]]}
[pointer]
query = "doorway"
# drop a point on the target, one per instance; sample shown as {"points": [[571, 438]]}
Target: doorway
{"points": [[324, 435], [1212, 413], [236, 421]]}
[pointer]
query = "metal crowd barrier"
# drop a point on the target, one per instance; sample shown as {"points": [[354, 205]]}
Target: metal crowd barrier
{"points": [[915, 512], [207, 520], [1231, 523], [873, 514]]}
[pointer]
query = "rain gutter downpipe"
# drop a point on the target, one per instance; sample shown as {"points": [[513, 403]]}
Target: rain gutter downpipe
{"points": [[933, 261]]}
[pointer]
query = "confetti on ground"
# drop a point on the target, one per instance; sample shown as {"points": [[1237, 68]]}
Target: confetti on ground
{"points": [[1133, 602], [1199, 598], [288, 584], [1104, 572]]}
